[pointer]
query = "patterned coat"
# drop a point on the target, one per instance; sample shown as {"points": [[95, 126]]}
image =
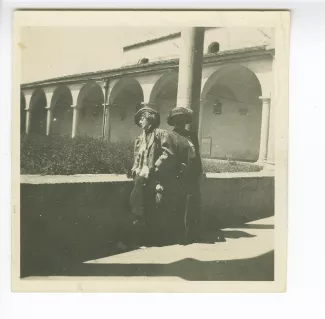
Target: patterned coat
{"points": [[155, 150]]}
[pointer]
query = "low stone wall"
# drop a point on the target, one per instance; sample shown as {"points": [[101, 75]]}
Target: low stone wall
{"points": [[77, 218]]}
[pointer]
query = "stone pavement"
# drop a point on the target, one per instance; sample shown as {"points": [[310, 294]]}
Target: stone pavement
{"points": [[247, 253]]}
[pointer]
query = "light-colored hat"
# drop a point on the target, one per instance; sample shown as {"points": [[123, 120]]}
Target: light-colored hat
{"points": [[138, 115]]}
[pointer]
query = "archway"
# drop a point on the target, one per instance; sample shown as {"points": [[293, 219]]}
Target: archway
{"points": [[164, 96], [231, 114], [62, 112], [125, 99], [22, 113], [90, 104], [38, 112]]}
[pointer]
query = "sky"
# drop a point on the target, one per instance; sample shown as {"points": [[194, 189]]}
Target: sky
{"points": [[49, 52]]}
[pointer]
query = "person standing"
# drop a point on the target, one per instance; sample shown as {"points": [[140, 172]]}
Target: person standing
{"points": [[152, 171], [189, 165]]}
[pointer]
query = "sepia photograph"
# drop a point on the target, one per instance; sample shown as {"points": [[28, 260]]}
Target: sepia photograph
{"points": [[150, 151]]}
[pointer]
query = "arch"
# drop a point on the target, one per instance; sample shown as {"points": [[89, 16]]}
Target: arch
{"points": [[22, 113], [129, 86], [235, 76], [165, 85], [38, 111], [235, 131], [90, 105], [61, 111], [125, 98]]}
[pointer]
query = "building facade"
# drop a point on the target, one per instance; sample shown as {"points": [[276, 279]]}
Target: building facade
{"points": [[236, 115]]}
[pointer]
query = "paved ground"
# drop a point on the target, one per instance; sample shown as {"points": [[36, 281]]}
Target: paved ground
{"points": [[246, 254]]}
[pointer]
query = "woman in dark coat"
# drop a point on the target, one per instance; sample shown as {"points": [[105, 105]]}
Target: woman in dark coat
{"points": [[187, 152]]}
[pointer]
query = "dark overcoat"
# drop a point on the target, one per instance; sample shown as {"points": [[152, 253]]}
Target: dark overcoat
{"points": [[187, 151]]}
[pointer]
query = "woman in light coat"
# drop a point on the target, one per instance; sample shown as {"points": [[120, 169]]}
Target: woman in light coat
{"points": [[153, 172]]}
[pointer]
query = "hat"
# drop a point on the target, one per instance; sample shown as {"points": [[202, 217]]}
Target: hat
{"points": [[138, 115], [179, 111]]}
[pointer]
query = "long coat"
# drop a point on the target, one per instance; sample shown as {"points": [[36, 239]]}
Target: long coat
{"points": [[186, 146], [153, 151], [160, 152], [187, 151]]}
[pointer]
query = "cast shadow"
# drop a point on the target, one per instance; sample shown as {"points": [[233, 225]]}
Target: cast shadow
{"points": [[255, 226], [259, 268], [222, 235]]}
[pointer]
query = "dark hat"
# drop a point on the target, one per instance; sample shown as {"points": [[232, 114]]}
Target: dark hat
{"points": [[138, 115], [185, 112]]}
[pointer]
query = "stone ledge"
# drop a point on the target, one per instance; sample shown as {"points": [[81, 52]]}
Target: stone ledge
{"points": [[104, 178]]}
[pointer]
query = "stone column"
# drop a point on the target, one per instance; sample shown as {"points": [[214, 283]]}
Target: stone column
{"points": [[190, 72], [28, 121], [107, 122], [28, 98], [75, 121], [264, 130], [75, 90], [270, 159], [48, 120]]}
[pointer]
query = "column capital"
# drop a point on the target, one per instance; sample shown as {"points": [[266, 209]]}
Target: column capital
{"points": [[103, 84], [75, 89], [49, 91], [28, 91]]}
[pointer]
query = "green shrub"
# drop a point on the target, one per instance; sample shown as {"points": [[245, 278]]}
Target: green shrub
{"points": [[58, 155], [226, 166], [62, 155]]}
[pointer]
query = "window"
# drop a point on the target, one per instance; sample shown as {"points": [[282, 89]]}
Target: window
{"points": [[217, 108], [243, 111], [143, 61], [214, 47]]}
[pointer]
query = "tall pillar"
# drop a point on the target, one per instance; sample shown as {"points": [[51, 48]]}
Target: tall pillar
{"points": [[107, 122], [270, 159], [264, 130], [190, 72], [28, 98], [75, 121], [104, 85], [28, 121], [48, 120]]}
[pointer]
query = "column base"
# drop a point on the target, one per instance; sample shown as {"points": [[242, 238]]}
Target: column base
{"points": [[267, 165]]}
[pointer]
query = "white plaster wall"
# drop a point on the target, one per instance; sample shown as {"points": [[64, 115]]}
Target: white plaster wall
{"points": [[229, 39], [232, 134]]}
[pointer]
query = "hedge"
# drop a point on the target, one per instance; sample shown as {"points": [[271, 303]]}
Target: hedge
{"points": [[62, 155], [58, 155]]}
